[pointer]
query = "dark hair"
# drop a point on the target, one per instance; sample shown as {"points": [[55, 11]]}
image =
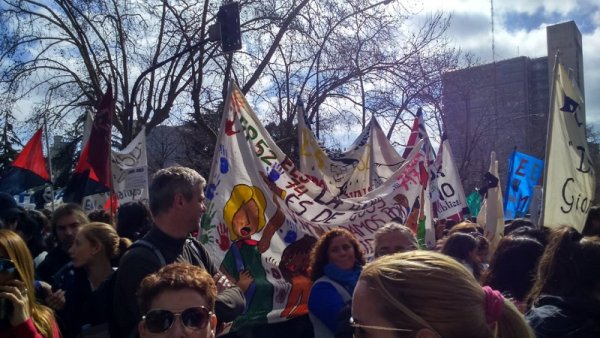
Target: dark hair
{"points": [[540, 235], [133, 220], [591, 229], [569, 266], [513, 266], [516, 224], [319, 257], [31, 231], [68, 209], [459, 246], [101, 215], [176, 276], [300, 248]]}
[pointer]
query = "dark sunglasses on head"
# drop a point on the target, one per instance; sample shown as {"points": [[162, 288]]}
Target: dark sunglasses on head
{"points": [[6, 265], [157, 321]]}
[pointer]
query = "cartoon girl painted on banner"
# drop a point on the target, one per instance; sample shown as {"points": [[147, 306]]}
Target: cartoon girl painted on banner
{"points": [[244, 215]]}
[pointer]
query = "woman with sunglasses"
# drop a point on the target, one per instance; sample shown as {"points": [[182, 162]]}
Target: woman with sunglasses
{"points": [[177, 301], [429, 295], [20, 314]]}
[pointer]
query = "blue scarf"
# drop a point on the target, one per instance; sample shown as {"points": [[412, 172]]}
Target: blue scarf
{"points": [[346, 278]]}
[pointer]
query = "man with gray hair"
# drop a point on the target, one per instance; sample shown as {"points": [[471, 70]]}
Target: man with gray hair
{"points": [[392, 238], [177, 205]]}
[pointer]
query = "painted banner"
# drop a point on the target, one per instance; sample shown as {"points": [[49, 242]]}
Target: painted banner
{"points": [[367, 164], [491, 214], [264, 215], [451, 198], [524, 173], [569, 175], [130, 171]]}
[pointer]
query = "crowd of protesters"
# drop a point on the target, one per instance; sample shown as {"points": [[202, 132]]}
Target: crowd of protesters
{"points": [[142, 274]]}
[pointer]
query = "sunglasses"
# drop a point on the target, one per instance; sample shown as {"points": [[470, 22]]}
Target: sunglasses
{"points": [[6, 265], [158, 321]]}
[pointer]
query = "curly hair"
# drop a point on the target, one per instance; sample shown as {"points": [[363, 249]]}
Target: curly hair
{"points": [[176, 276], [319, 257]]}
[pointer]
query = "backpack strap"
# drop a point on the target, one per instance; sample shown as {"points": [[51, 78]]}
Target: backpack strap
{"points": [[149, 245], [346, 296]]}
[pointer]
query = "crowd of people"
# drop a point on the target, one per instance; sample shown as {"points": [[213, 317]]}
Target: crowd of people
{"points": [[73, 274]]}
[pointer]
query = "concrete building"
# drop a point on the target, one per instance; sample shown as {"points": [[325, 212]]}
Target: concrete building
{"points": [[503, 105]]}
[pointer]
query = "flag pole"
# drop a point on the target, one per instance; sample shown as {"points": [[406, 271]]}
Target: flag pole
{"points": [[49, 160], [548, 136]]}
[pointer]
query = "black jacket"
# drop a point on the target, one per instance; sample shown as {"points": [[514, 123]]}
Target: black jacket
{"points": [[554, 316], [140, 261]]}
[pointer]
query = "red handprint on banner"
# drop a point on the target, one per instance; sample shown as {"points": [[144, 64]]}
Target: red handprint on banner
{"points": [[223, 239]]}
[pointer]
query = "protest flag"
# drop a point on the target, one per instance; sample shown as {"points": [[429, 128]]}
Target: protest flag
{"points": [[28, 170], [491, 214], [451, 198], [92, 174], [524, 173], [569, 178]]}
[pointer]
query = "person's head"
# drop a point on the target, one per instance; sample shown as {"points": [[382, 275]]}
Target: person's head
{"points": [[31, 231], [177, 301], [592, 223], [133, 220], [516, 224], [9, 210], [461, 246], [483, 249], [466, 228], [177, 192], [94, 241], [100, 215], [66, 221], [393, 237], [337, 246], [513, 266], [16, 263], [569, 266], [426, 294], [540, 235]]}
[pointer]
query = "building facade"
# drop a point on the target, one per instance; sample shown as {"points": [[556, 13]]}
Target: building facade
{"points": [[504, 105]]}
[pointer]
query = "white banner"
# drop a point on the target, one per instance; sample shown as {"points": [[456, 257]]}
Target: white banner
{"points": [[569, 176], [451, 196], [367, 164], [264, 215], [130, 171], [491, 214]]}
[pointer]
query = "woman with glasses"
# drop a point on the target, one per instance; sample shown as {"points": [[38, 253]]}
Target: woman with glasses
{"points": [[427, 295], [177, 301], [20, 314], [335, 264]]}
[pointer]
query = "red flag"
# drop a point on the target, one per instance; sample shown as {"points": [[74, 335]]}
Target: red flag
{"points": [[28, 170], [92, 174], [414, 134], [99, 142]]}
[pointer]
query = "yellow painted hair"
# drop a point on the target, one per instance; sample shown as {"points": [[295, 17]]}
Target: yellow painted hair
{"points": [[240, 195]]}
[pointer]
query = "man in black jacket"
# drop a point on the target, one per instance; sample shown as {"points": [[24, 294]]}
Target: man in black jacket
{"points": [[177, 204]]}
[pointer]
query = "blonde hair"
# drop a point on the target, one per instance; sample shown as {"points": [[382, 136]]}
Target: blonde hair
{"points": [[105, 234], [422, 289], [240, 195], [17, 251]]}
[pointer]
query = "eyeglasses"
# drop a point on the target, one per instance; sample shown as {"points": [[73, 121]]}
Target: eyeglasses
{"points": [[158, 321], [358, 333], [6, 265]]}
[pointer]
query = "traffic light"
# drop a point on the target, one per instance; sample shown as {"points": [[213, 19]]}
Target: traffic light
{"points": [[229, 20]]}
